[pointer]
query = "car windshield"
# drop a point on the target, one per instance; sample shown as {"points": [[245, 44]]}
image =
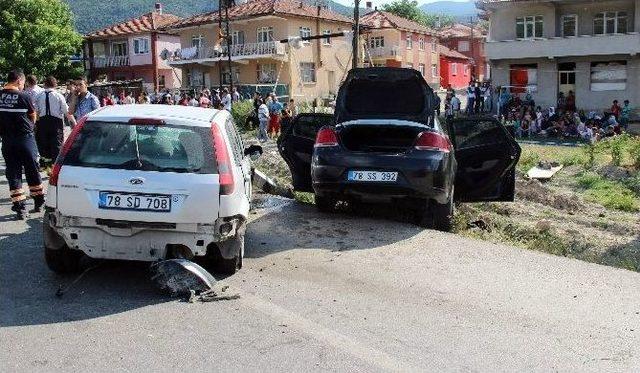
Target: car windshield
{"points": [[164, 148]]}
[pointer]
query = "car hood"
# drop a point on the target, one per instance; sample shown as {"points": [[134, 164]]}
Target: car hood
{"points": [[385, 93]]}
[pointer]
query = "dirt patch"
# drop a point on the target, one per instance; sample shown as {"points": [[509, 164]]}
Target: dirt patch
{"points": [[535, 191]]}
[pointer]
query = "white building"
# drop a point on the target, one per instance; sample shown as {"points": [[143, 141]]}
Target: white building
{"points": [[552, 46]]}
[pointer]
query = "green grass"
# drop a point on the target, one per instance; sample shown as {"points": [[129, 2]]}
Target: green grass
{"points": [[610, 194], [566, 155]]}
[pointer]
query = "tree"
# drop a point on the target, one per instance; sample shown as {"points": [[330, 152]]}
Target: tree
{"points": [[37, 36], [409, 9]]}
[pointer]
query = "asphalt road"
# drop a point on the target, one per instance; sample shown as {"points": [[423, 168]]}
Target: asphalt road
{"points": [[325, 293]]}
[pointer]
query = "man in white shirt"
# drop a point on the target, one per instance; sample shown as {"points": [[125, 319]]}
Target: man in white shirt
{"points": [[235, 96], [52, 108], [471, 98], [226, 99], [32, 88], [455, 104], [129, 100]]}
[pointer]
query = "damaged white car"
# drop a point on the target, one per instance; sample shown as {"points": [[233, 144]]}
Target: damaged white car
{"points": [[150, 182]]}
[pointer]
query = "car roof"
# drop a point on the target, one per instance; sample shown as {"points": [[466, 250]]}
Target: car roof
{"points": [[192, 115]]}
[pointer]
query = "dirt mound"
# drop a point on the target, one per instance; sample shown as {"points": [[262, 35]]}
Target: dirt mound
{"points": [[535, 191], [615, 173]]}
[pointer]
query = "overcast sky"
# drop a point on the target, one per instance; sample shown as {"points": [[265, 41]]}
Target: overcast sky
{"points": [[380, 2]]}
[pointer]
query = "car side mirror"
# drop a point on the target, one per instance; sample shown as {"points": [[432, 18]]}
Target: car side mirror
{"points": [[253, 151]]}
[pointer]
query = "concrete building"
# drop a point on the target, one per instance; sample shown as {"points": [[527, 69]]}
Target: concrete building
{"points": [[312, 69], [394, 41], [132, 50], [548, 47], [468, 40]]}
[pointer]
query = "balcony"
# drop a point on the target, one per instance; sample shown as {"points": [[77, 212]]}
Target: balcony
{"points": [[238, 52], [384, 52], [584, 45], [110, 61]]}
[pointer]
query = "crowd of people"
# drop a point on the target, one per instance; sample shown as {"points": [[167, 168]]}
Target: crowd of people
{"points": [[520, 111]]}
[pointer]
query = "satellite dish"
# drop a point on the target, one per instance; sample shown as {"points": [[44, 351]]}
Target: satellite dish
{"points": [[164, 55]]}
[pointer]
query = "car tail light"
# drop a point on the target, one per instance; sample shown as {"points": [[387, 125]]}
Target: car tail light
{"points": [[326, 137], [225, 171], [55, 171], [428, 140]]}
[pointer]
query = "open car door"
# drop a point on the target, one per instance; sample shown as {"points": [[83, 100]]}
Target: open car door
{"points": [[487, 155], [296, 146]]}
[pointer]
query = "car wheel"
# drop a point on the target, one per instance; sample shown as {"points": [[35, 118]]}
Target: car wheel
{"points": [[59, 257], [437, 216], [325, 204], [225, 266]]}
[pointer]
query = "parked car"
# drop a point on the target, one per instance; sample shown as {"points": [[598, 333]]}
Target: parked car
{"points": [[385, 145], [150, 182]]}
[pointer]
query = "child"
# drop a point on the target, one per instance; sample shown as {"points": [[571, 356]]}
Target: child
{"points": [[625, 114]]}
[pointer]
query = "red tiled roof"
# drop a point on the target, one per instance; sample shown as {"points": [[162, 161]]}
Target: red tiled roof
{"points": [[380, 19], [460, 30], [148, 22], [254, 8], [444, 51]]}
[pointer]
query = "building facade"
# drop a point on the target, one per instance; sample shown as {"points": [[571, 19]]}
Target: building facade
{"points": [[134, 50], [468, 40], [548, 47], [303, 71], [390, 40], [455, 68]]}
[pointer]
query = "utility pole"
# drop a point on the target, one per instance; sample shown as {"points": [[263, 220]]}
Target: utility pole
{"points": [[229, 3], [473, 64], [356, 33], [219, 35]]}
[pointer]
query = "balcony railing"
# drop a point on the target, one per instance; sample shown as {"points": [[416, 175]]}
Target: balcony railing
{"points": [[382, 52], [110, 61], [247, 50]]}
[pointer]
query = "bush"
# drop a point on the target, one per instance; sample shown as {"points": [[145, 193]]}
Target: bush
{"points": [[241, 111], [634, 152]]}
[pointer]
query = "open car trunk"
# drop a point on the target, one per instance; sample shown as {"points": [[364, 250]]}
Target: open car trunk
{"points": [[379, 138], [384, 93]]}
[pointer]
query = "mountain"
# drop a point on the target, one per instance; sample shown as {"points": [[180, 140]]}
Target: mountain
{"points": [[461, 10], [93, 15]]}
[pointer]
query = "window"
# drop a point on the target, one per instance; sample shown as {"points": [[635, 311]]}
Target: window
{"points": [[265, 34], [225, 74], [235, 141], [609, 76], [196, 41], [463, 46], [140, 45], [409, 41], [237, 37], [376, 42], [307, 126], [119, 48], [421, 43], [307, 72], [466, 70], [523, 78], [165, 148], [454, 68], [161, 82], [529, 27], [421, 69], [570, 25], [326, 40], [434, 70], [266, 73], [610, 23], [305, 32], [469, 134], [434, 46]]}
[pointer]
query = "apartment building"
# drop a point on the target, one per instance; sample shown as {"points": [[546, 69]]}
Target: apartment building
{"points": [[133, 49], [308, 70], [547, 47], [455, 68], [468, 40], [394, 41]]}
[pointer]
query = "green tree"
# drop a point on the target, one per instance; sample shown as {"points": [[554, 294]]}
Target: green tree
{"points": [[37, 36], [409, 9]]}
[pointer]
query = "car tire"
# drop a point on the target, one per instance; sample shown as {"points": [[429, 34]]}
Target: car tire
{"points": [[228, 266], [325, 204], [59, 257], [438, 216]]}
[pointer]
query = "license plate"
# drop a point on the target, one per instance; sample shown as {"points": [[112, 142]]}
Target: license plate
{"points": [[135, 201], [372, 176]]}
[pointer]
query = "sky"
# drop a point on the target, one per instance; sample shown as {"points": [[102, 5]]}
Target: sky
{"points": [[380, 2]]}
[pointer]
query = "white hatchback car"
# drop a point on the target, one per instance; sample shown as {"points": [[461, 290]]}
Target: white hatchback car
{"points": [[150, 182]]}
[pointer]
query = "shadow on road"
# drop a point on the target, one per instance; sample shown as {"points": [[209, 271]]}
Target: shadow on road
{"points": [[300, 226], [28, 287]]}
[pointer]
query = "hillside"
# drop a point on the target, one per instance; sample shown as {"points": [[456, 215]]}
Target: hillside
{"points": [[460, 10], [93, 15]]}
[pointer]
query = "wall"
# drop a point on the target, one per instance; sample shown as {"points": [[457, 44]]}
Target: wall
{"points": [[139, 59], [476, 51], [458, 81], [503, 20]]}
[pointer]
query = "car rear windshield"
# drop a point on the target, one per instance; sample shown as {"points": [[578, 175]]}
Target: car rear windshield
{"points": [[380, 97], [164, 148]]}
